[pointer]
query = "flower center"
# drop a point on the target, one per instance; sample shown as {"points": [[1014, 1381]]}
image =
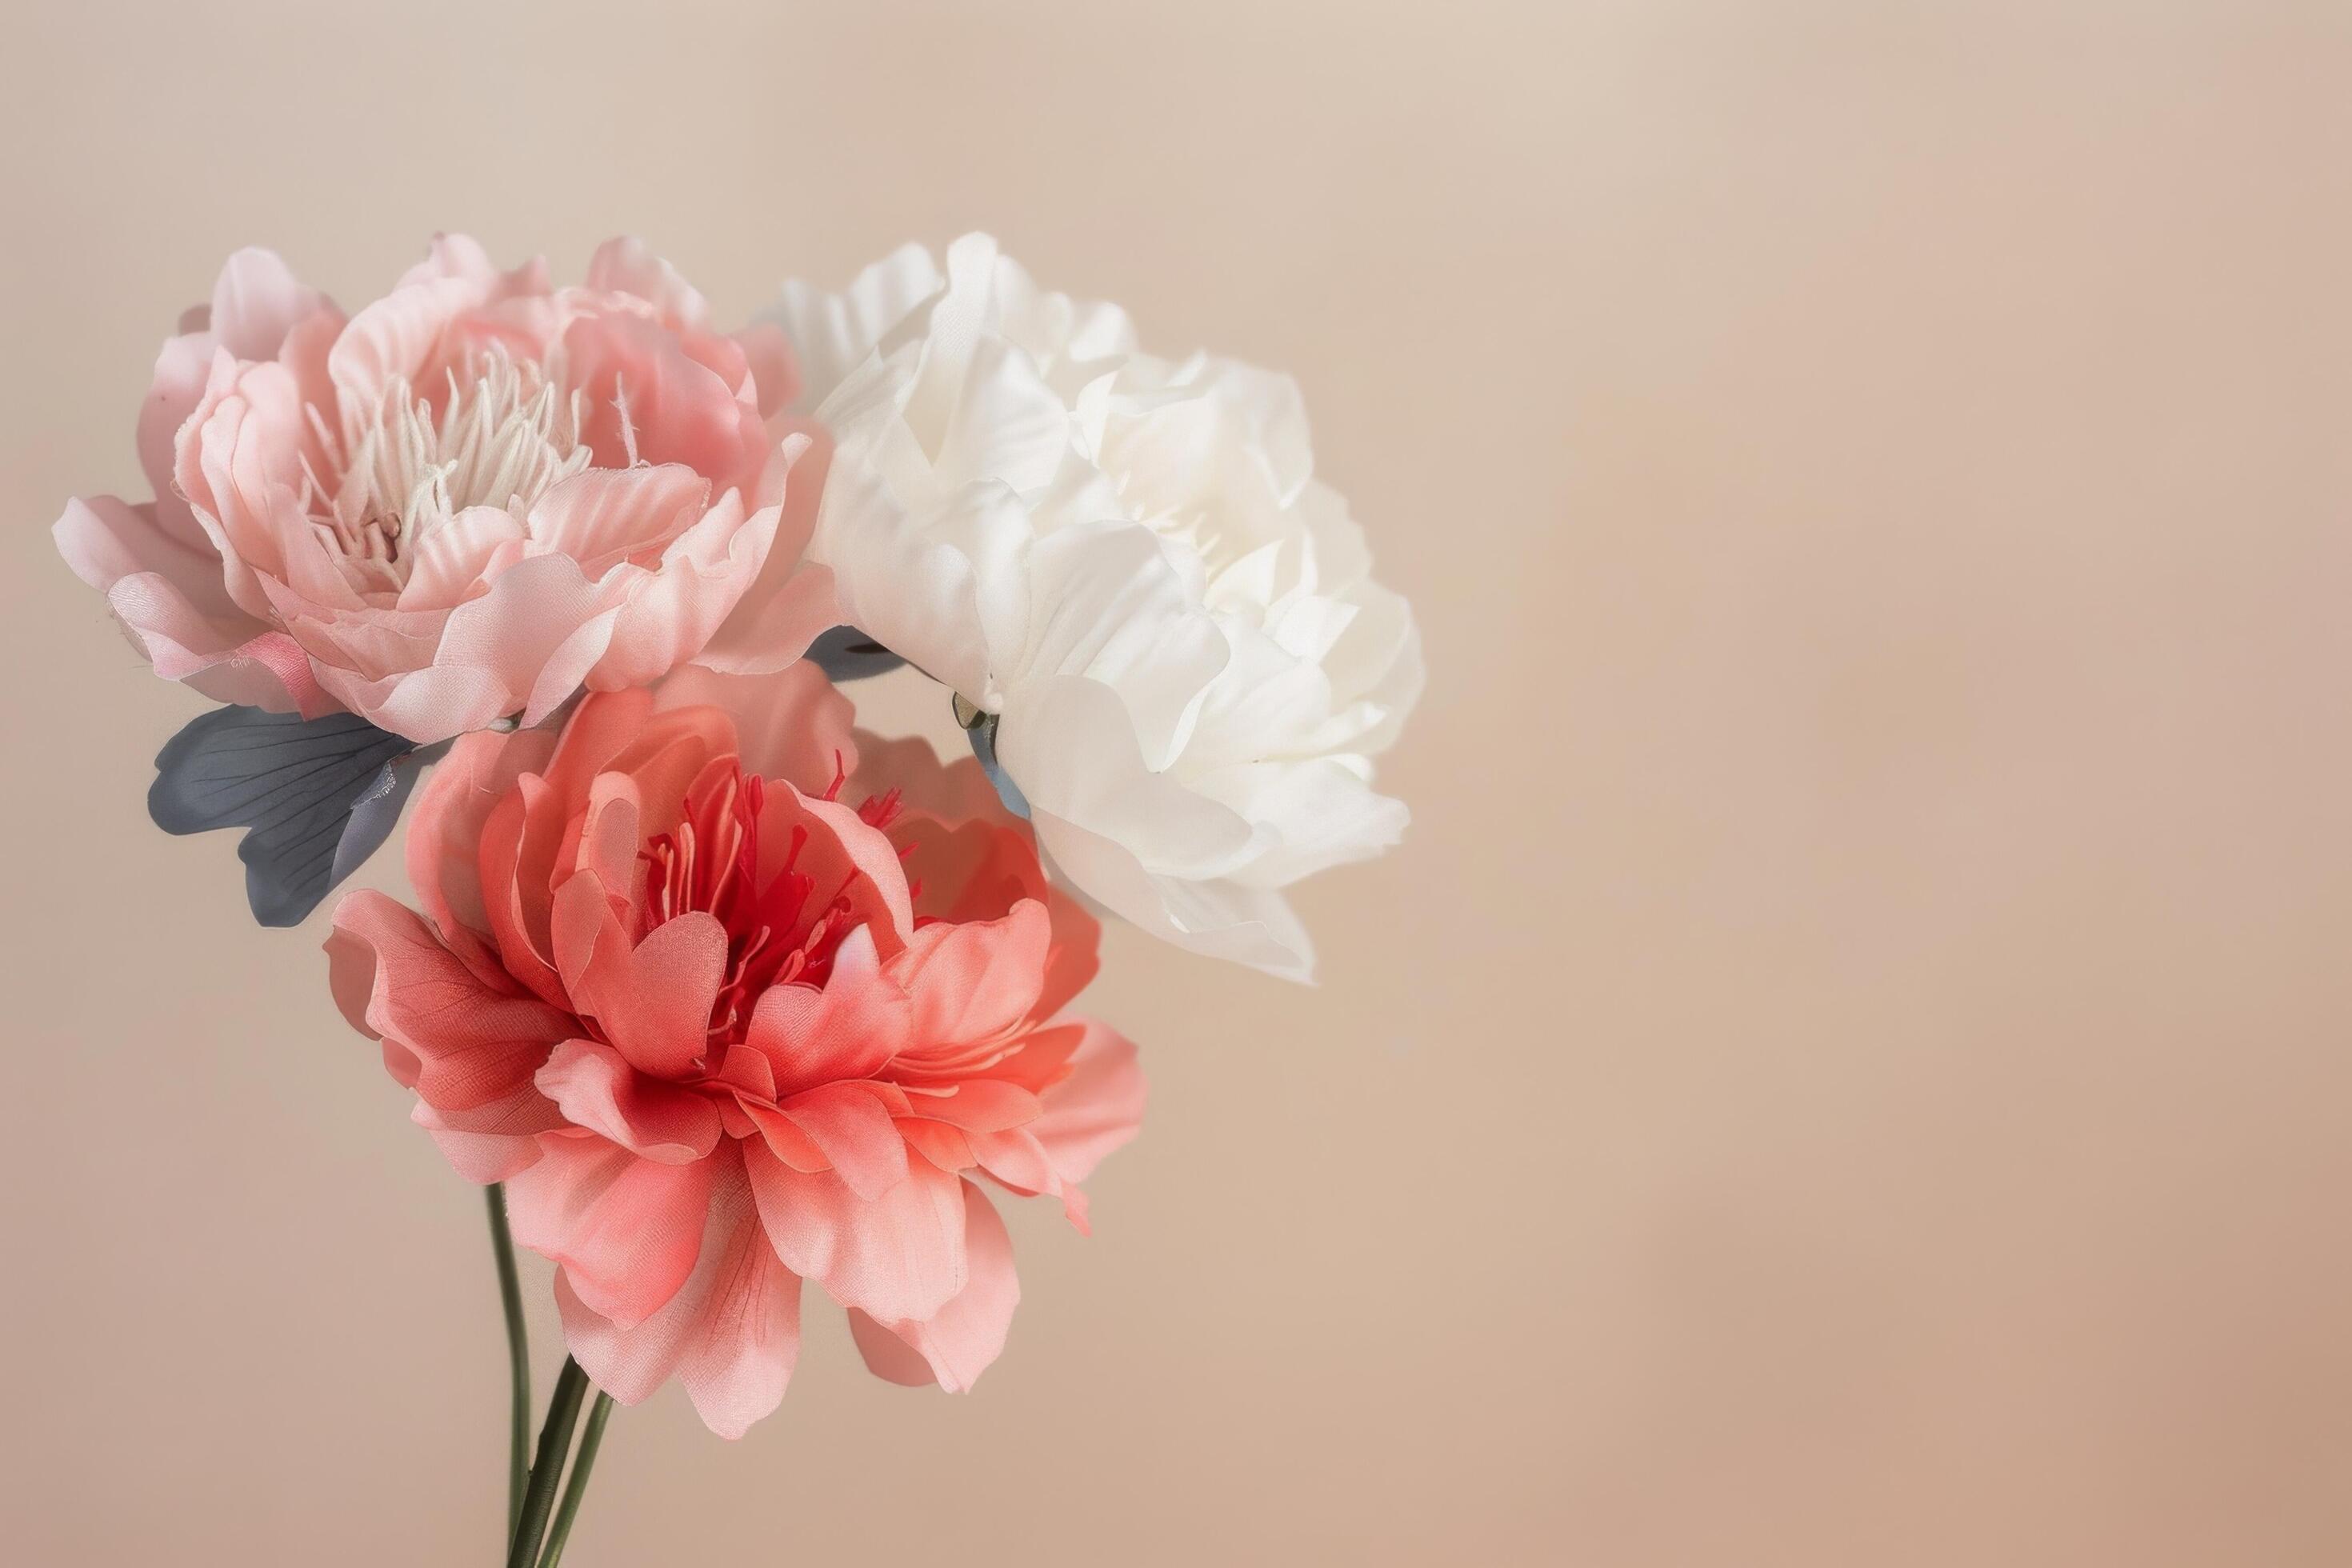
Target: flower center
{"points": [[403, 472], [781, 926]]}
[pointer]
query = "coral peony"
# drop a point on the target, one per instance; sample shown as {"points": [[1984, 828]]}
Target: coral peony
{"points": [[460, 504], [719, 1030], [1165, 625]]}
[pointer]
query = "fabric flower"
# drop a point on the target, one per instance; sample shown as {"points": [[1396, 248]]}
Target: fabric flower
{"points": [[720, 1031], [460, 504], [1165, 627]]}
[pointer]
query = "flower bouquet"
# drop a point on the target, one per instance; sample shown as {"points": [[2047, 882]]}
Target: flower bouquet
{"points": [[713, 991]]}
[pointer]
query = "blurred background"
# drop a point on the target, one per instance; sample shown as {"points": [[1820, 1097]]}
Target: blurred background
{"points": [[1850, 1066]]}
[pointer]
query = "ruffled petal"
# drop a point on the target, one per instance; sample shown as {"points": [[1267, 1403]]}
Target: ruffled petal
{"points": [[1115, 609], [169, 596], [181, 369], [596, 1088], [455, 1041], [256, 300], [667, 614], [625, 1230], [852, 1129], [648, 400], [832, 333], [898, 1256], [627, 265], [846, 1031], [653, 999], [446, 823], [956, 1343], [729, 1335], [1255, 926], [490, 1141], [604, 517], [973, 981], [793, 725], [791, 600], [1095, 1109]]}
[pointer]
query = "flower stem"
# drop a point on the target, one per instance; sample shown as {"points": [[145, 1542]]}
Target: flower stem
{"points": [[554, 1437], [518, 1358], [577, 1487]]}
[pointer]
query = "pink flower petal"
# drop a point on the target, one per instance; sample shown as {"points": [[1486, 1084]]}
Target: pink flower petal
{"points": [[431, 626], [667, 615], [255, 302], [627, 265], [169, 596], [650, 401], [394, 339], [791, 600], [888, 1356], [768, 354], [180, 370], [446, 567], [573, 662], [427, 705], [604, 517]]}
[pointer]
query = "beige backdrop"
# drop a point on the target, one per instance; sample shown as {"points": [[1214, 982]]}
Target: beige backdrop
{"points": [[1852, 1065]]}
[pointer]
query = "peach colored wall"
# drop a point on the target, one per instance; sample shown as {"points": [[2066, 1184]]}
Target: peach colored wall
{"points": [[1854, 1065]]}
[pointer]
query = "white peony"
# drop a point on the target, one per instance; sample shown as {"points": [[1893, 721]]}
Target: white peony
{"points": [[1125, 564]]}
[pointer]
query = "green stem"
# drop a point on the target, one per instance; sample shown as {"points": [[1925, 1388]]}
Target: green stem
{"points": [[577, 1487], [554, 1437], [518, 1358]]}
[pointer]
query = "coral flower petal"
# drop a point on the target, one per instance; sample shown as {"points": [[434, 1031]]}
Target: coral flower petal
{"points": [[957, 1342], [856, 1132], [689, 1013], [653, 1000], [730, 1334], [847, 1030], [625, 1230], [595, 1088], [898, 1256]]}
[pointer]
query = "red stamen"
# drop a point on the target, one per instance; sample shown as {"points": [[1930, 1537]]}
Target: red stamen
{"points": [[710, 861]]}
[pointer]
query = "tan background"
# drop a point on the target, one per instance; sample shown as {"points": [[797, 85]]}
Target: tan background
{"points": [[1852, 1066]]}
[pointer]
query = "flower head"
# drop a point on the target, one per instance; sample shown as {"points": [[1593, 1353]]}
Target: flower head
{"points": [[721, 1029], [460, 504], [1127, 563]]}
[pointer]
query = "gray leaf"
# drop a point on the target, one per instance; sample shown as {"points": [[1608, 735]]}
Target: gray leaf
{"points": [[983, 731], [316, 796], [844, 653]]}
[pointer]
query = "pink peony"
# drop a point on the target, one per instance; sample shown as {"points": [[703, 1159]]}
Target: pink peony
{"points": [[720, 1031], [461, 504]]}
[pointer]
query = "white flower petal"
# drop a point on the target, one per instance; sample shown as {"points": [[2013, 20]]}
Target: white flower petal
{"points": [[832, 333], [1129, 561]]}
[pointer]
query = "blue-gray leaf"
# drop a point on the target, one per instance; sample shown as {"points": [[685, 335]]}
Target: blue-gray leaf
{"points": [[315, 796], [983, 746], [844, 653]]}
